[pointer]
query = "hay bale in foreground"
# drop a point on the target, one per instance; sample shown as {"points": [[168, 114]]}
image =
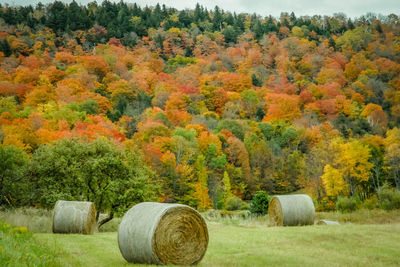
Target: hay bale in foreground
{"points": [[327, 222], [158, 233], [291, 210], [74, 217]]}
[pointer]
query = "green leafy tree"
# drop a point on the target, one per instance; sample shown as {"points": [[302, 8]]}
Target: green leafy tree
{"points": [[227, 187], [354, 40], [99, 171], [229, 34], [259, 203], [233, 126], [13, 186]]}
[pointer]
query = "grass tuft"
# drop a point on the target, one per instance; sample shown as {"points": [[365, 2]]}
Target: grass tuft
{"points": [[363, 216], [18, 247], [239, 218], [35, 220]]}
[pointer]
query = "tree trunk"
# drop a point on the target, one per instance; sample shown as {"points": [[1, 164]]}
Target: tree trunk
{"points": [[396, 180], [105, 220], [351, 185], [376, 174]]}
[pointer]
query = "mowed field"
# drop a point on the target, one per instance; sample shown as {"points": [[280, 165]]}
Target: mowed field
{"points": [[254, 245]]}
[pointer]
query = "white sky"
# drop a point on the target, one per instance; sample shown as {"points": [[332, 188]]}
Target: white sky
{"points": [[352, 8]]}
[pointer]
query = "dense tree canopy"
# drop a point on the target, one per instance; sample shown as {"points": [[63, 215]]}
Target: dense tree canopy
{"points": [[112, 99]]}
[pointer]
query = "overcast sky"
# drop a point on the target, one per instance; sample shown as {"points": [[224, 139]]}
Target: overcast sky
{"points": [[352, 8]]}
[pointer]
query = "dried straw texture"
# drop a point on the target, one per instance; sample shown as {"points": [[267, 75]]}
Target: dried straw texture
{"points": [[327, 222], [158, 233], [74, 217], [291, 210]]}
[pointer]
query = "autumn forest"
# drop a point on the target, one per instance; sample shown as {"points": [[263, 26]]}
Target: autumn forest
{"points": [[117, 104]]}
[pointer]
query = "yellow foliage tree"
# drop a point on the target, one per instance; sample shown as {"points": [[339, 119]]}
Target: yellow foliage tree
{"points": [[333, 181], [353, 162], [201, 189], [121, 89], [392, 155], [227, 187], [375, 115]]}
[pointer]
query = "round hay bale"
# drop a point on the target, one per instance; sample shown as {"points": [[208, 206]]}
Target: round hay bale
{"points": [[159, 233], [291, 210], [74, 217], [327, 222]]}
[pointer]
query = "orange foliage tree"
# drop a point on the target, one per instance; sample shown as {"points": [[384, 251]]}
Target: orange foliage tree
{"points": [[282, 107]]}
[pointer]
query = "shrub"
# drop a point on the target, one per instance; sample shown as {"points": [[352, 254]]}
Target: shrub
{"points": [[233, 203], [389, 198], [19, 248], [326, 204], [370, 203], [259, 203], [346, 204], [245, 205]]}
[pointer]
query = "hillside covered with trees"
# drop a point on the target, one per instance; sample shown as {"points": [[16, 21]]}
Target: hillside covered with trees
{"points": [[118, 104]]}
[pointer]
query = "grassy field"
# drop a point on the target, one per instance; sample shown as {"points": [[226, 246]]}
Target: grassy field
{"points": [[18, 247], [366, 238], [231, 245]]}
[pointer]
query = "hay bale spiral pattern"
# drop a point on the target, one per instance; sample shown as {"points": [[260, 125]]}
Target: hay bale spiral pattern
{"points": [[159, 233]]}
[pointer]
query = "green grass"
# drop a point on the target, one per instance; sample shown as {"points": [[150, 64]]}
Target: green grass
{"points": [[366, 238], [85, 250], [354, 245], [18, 247], [231, 245]]}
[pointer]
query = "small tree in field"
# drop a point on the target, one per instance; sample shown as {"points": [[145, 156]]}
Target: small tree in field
{"points": [[98, 171], [259, 203]]}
